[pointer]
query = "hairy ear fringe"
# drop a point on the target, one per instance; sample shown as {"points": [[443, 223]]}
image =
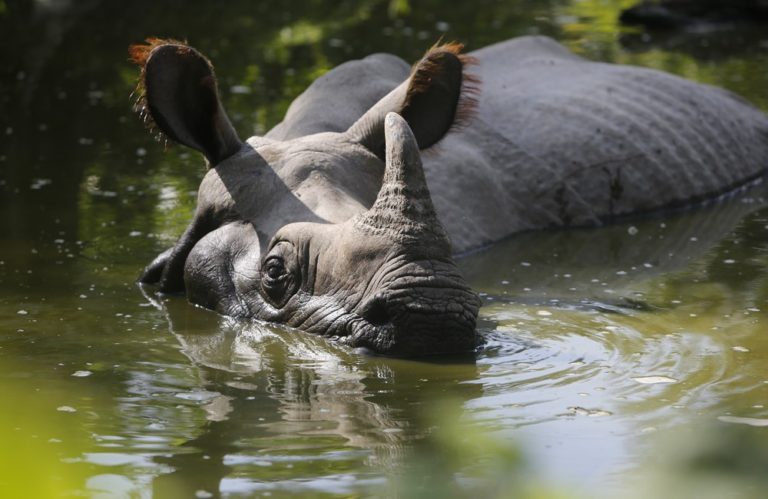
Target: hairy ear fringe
{"points": [[424, 70], [139, 55]]}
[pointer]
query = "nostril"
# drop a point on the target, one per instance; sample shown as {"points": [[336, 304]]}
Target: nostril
{"points": [[376, 312]]}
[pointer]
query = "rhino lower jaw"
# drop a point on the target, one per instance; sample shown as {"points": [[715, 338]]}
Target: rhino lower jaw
{"points": [[454, 334], [386, 340]]}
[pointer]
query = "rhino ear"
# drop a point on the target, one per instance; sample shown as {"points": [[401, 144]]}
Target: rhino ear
{"points": [[178, 94], [438, 95]]}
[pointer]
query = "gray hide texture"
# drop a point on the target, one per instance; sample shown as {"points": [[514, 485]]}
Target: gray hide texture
{"points": [[559, 140]]}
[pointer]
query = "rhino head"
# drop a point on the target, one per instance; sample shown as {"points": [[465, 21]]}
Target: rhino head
{"points": [[332, 233]]}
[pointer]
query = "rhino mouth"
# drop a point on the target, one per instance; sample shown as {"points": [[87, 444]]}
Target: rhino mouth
{"points": [[426, 319]]}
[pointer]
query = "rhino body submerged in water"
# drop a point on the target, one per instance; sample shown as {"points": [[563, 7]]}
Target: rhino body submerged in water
{"points": [[330, 223]]}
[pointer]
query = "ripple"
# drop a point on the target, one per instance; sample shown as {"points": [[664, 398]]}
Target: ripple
{"points": [[638, 368], [744, 421], [654, 380], [329, 484]]}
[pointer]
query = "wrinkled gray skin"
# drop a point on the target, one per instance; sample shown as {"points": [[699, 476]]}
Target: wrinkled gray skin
{"points": [[299, 227]]}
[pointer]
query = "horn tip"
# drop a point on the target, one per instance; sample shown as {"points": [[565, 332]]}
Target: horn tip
{"points": [[397, 132], [393, 119]]}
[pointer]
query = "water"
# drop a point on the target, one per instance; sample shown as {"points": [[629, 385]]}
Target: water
{"points": [[598, 340]]}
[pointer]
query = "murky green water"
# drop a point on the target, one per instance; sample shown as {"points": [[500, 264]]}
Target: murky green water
{"points": [[597, 339]]}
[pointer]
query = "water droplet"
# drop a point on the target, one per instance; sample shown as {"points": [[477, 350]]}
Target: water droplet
{"points": [[740, 349], [632, 230], [22, 312], [81, 374], [729, 261], [543, 313], [66, 408]]}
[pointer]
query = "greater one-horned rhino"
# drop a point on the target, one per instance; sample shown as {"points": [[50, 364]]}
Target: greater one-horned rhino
{"points": [[327, 223]]}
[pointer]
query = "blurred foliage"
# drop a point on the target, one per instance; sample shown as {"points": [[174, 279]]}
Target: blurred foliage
{"points": [[458, 459], [39, 430], [705, 461], [702, 460], [399, 8]]}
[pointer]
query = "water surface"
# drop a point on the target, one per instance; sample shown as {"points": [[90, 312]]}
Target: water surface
{"points": [[597, 339]]}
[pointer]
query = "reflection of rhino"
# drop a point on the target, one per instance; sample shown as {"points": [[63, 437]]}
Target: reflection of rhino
{"points": [[610, 263], [289, 227], [287, 394]]}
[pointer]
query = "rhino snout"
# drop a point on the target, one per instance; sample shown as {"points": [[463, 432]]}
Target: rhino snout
{"points": [[420, 320]]}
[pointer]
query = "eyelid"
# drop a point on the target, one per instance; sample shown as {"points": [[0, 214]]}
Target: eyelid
{"points": [[278, 239]]}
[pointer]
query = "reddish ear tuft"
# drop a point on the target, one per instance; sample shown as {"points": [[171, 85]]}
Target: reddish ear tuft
{"points": [[139, 55], [429, 67]]}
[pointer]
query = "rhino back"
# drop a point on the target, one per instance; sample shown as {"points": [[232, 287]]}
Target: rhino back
{"points": [[558, 140], [333, 102]]}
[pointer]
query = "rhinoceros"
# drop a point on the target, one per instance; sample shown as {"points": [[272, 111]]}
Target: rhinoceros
{"points": [[345, 218]]}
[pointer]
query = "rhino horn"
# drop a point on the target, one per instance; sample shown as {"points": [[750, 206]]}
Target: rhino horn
{"points": [[403, 210]]}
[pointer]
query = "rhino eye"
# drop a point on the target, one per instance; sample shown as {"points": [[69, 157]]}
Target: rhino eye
{"points": [[280, 274], [274, 268]]}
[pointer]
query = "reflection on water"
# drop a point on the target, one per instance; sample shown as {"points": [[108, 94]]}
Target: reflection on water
{"points": [[285, 402], [596, 338]]}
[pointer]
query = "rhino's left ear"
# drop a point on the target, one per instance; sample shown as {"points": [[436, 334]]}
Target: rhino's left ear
{"points": [[437, 96], [178, 94]]}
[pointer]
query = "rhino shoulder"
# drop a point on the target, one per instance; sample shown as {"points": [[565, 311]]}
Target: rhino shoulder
{"points": [[334, 101]]}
